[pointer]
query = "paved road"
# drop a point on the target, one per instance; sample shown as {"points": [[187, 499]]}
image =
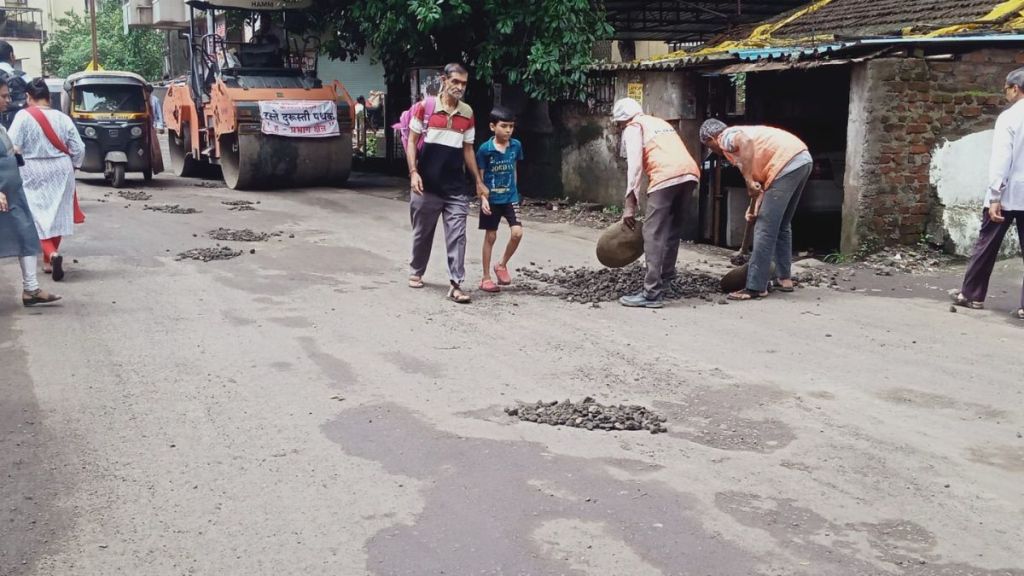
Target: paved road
{"points": [[300, 411]]}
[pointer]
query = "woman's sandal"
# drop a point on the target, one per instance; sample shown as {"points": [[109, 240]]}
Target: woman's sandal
{"points": [[960, 300], [38, 297], [458, 296], [416, 282], [744, 295], [1020, 314]]}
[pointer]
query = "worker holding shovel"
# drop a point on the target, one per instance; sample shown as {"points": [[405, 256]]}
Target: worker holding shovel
{"points": [[652, 146], [775, 166]]}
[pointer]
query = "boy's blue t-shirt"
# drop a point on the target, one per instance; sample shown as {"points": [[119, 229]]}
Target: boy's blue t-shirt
{"points": [[500, 170]]}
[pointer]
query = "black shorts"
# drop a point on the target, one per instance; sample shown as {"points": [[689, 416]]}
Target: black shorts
{"points": [[509, 211]]}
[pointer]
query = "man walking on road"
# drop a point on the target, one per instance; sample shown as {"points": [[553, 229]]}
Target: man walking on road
{"points": [[17, 83], [1004, 200], [653, 146], [437, 175]]}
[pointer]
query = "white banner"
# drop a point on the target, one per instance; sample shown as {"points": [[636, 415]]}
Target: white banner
{"points": [[299, 118]]}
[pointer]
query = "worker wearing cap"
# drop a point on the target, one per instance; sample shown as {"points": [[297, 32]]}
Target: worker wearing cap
{"points": [[775, 165], [653, 147]]}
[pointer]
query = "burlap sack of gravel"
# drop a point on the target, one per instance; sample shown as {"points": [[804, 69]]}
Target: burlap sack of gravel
{"points": [[619, 246]]}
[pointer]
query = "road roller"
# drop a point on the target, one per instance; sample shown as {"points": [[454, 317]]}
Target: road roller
{"points": [[255, 106]]}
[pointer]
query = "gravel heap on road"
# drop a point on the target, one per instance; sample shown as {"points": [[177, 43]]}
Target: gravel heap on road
{"points": [[920, 259], [590, 415], [238, 203], [586, 214], [246, 235], [208, 184], [134, 195], [209, 254], [589, 285], [171, 209], [241, 208]]}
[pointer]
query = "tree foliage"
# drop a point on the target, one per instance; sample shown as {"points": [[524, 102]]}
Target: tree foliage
{"points": [[69, 48], [544, 46]]}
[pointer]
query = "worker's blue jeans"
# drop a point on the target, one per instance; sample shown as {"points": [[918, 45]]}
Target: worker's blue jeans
{"points": [[773, 232]]}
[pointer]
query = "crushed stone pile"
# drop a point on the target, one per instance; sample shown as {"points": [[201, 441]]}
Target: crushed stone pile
{"points": [[591, 415], [209, 254], [589, 285], [171, 209], [238, 203], [134, 195], [920, 259], [208, 184], [245, 235], [242, 208]]}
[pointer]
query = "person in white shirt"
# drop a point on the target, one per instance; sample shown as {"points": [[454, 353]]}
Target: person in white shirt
{"points": [[1004, 200]]}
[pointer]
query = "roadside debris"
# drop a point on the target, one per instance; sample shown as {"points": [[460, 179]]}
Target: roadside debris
{"points": [[591, 415], [245, 235], [134, 195], [588, 285], [587, 214], [920, 259], [241, 208], [208, 184], [209, 254], [171, 209]]}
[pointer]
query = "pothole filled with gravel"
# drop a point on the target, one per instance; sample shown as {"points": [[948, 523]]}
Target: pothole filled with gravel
{"points": [[134, 195], [209, 254], [245, 235], [171, 209], [590, 285], [590, 415]]}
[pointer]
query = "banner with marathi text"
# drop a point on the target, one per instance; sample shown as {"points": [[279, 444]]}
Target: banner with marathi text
{"points": [[299, 118]]}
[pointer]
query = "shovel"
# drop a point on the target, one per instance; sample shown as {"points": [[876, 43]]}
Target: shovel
{"points": [[736, 279]]}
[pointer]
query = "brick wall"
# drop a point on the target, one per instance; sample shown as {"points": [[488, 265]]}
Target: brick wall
{"points": [[908, 107]]}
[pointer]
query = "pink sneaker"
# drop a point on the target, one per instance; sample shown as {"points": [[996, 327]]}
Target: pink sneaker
{"points": [[504, 278]]}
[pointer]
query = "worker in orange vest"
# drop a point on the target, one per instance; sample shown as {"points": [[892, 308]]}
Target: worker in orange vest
{"points": [[775, 165], [653, 147]]}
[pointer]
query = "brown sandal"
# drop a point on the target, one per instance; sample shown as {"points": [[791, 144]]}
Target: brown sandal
{"points": [[744, 295], [416, 282], [960, 300], [456, 295], [38, 297]]}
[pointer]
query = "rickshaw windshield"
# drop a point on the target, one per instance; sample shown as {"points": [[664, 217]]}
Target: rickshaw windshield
{"points": [[101, 98]]}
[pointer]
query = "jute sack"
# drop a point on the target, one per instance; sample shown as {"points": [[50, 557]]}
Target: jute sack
{"points": [[619, 246]]}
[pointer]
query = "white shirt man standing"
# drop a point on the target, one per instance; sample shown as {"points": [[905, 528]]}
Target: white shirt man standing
{"points": [[1004, 199]]}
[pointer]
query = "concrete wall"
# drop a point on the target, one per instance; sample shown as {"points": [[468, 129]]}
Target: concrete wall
{"points": [[901, 112], [959, 173], [592, 167]]}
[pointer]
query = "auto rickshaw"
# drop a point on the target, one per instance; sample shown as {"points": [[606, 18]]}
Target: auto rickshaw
{"points": [[113, 116]]}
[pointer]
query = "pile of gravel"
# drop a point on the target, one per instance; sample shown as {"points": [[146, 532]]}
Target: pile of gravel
{"points": [[246, 235], [238, 203], [134, 195], [590, 415], [209, 254], [241, 208], [171, 209], [589, 285], [920, 259], [208, 184]]}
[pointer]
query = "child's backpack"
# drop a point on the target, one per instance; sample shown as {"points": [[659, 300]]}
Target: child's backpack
{"points": [[402, 127]]}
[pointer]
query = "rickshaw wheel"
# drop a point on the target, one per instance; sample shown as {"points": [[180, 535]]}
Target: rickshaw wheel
{"points": [[118, 177]]}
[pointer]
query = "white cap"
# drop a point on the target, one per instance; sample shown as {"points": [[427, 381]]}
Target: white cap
{"points": [[625, 109]]}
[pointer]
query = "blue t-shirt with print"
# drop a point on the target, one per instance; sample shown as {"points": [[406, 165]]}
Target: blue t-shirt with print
{"points": [[500, 170]]}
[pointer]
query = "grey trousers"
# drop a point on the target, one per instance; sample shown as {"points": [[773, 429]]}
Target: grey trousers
{"points": [[424, 210], [663, 228], [773, 232]]}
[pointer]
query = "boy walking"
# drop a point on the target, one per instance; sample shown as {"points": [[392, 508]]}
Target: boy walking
{"points": [[496, 160]]}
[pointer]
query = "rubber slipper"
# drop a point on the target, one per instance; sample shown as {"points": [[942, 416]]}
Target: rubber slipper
{"points": [[960, 300], [488, 286], [744, 295], [38, 297], [57, 262], [1020, 313], [458, 296], [504, 278], [415, 282]]}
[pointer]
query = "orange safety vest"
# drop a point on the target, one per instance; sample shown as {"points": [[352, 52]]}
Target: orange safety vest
{"points": [[665, 155], [773, 149]]}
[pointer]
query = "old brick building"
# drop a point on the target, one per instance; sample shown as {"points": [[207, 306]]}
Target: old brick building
{"points": [[896, 99]]}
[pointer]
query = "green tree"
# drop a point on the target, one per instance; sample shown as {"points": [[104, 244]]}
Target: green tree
{"points": [[544, 46], [69, 48]]}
